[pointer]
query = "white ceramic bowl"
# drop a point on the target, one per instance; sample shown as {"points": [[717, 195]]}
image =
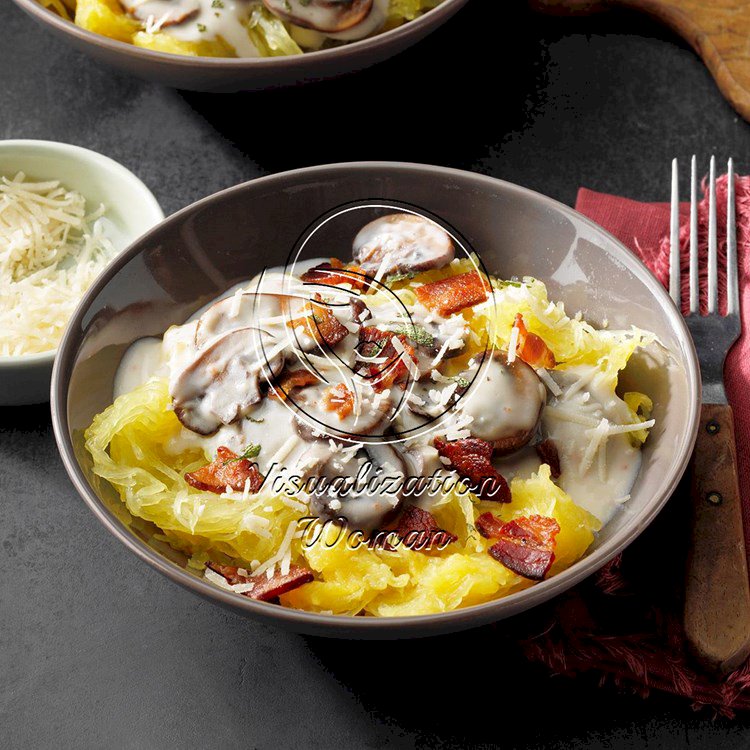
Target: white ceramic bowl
{"points": [[131, 209]]}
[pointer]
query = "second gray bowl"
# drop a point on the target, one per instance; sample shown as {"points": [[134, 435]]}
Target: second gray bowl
{"points": [[224, 74], [204, 249]]}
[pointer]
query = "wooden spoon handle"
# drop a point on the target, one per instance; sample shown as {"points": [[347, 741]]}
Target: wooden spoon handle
{"points": [[717, 592]]}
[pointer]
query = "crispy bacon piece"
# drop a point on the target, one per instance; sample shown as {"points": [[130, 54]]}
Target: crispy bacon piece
{"points": [[489, 526], [334, 273], [419, 531], [525, 545], [547, 452], [322, 325], [360, 311], [471, 458], [291, 380], [338, 398], [226, 470], [453, 294], [376, 343], [265, 588], [531, 348]]}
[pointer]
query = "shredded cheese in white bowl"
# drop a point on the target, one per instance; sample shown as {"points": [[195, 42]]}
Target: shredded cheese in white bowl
{"points": [[51, 250], [65, 213]]}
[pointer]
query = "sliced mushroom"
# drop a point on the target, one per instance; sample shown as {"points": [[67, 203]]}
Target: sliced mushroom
{"points": [[359, 311], [163, 12], [368, 418], [244, 310], [431, 345], [370, 501], [422, 464], [430, 399], [505, 401], [225, 380], [328, 16], [405, 243]]}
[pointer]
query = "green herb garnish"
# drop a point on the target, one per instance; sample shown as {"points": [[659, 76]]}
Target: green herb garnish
{"points": [[253, 419], [400, 276], [462, 382], [251, 451], [217, 4], [201, 27], [417, 334]]}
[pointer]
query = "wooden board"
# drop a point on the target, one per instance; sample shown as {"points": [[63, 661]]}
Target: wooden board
{"points": [[718, 30]]}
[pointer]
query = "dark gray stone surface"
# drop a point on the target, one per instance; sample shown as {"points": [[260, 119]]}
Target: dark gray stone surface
{"points": [[96, 650]]}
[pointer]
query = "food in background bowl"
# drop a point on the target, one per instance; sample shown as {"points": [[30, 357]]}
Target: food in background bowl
{"points": [[398, 435], [239, 28]]}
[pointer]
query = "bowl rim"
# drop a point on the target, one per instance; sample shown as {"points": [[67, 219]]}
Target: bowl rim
{"points": [[101, 162], [364, 627], [407, 30]]}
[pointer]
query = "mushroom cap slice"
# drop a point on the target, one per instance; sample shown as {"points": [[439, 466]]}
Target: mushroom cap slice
{"points": [[431, 400], [166, 12], [405, 242], [505, 401], [225, 379], [368, 420], [376, 498], [328, 16], [244, 310]]}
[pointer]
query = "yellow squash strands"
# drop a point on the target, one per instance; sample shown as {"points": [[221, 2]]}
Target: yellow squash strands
{"points": [[64, 8], [127, 440], [50, 253], [257, 532]]}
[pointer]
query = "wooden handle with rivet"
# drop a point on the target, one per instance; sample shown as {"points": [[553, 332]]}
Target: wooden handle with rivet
{"points": [[717, 591]]}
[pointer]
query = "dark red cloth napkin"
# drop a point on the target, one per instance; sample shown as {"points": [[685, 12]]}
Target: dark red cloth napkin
{"points": [[624, 624]]}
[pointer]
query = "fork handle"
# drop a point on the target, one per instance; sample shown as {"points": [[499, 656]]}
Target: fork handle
{"points": [[717, 592]]}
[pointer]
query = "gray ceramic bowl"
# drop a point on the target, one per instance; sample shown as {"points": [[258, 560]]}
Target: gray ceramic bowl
{"points": [[242, 74], [207, 247]]}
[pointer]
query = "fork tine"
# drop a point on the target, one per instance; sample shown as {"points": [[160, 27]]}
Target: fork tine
{"points": [[733, 298], [713, 280], [694, 294], [674, 238]]}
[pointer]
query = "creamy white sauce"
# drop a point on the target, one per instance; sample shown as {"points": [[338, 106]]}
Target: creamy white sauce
{"points": [[212, 22], [598, 469], [267, 424], [606, 482], [141, 361], [163, 12], [209, 20], [504, 400]]}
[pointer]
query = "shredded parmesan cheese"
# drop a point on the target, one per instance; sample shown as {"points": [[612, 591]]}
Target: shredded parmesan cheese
{"points": [[513, 345], [405, 358], [51, 251], [546, 378]]}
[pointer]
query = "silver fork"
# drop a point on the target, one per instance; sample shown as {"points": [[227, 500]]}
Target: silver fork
{"points": [[717, 593]]}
